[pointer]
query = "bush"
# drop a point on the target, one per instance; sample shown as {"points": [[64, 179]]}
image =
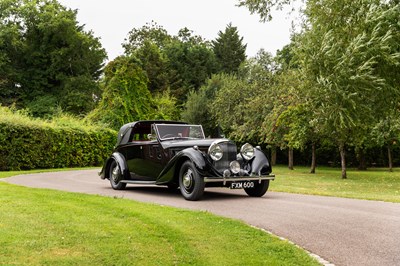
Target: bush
{"points": [[27, 143]]}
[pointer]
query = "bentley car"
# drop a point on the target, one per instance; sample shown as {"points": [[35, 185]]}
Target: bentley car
{"points": [[177, 155]]}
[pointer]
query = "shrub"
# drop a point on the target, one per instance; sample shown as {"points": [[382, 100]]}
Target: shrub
{"points": [[27, 143]]}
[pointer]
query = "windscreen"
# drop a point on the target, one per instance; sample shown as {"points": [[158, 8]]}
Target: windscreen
{"points": [[167, 132]]}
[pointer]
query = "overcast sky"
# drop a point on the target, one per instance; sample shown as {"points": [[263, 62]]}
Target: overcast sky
{"points": [[111, 21]]}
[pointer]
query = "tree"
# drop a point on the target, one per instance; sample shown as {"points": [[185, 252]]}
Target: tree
{"points": [[176, 63], [155, 63], [228, 106], [264, 7], [190, 64], [301, 129], [149, 33], [343, 56], [387, 133], [46, 57], [229, 49], [198, 105], [125, 97]]}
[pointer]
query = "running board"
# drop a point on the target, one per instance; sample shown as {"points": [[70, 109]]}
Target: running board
{"points": [[138, 182]]}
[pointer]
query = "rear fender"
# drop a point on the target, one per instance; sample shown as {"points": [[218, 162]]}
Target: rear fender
{"points": [[120, 159]]}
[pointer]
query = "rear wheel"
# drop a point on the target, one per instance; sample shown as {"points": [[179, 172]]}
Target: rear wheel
{"points": [[259, 189], [115, 176], [191, 184]]}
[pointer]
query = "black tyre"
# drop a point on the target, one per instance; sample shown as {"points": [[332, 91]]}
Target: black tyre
{"points": [[259, 189], [191, 184], [115, 176]]}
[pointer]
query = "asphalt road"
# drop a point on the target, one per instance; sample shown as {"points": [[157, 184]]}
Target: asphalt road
{"points": [[341, 231]]}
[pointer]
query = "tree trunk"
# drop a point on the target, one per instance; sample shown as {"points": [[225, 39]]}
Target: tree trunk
{"points": [[361, 159], [273, 156], [313, 159], [290, 158], [343, 160], [390, 158]]}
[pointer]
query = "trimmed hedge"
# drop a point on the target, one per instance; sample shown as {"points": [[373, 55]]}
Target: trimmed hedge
{"points": [[34, 144]]}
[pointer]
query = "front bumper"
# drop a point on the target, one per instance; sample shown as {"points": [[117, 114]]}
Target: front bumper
{"points": [[224, 180]]}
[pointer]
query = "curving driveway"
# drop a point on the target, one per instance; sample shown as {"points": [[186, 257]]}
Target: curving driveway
{"points": [[342, 231]]}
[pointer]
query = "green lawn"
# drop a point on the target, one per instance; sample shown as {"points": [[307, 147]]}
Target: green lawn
{"points": [[47, 227], [373, 184]]}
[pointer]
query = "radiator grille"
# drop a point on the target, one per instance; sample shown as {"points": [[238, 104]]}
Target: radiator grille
{"points": [[229, 154]]}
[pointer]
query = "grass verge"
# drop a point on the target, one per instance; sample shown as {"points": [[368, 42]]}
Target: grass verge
{"points": [[46, 227], [373, 184]]}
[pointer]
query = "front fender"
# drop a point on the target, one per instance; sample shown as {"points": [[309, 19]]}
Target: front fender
{"points": [[171, 170], [260, 164], [120, 159]]}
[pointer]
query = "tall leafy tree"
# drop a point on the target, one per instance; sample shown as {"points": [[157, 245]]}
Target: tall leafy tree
{"points": [[155, 63], [191, 62], [125, 97], [176, 63], [386, 132], [349, 53], [343, 55], [229, 49], [197, 107], [46, 57]]}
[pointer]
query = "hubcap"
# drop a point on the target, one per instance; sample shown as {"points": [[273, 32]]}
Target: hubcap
{"points": [[188, 179], [115, 173]]}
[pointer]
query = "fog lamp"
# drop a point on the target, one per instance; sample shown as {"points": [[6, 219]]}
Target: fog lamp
{"points": [[235, 167]]}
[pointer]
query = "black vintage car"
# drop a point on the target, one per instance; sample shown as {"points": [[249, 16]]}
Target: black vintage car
{"points": [[176, 154]]}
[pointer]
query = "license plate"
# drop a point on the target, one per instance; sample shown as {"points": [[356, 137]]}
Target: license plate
{"points": [[240, 185]]}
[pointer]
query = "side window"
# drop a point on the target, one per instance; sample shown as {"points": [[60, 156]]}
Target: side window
{"points": [[152, 135]]}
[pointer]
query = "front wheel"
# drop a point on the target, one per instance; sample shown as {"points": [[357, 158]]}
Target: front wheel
{"points": [[115, 176], [191, 184], [259, 189]]}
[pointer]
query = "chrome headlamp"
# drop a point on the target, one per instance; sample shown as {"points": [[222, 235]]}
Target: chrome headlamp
{"points": [[247, 151], [215, 152]]}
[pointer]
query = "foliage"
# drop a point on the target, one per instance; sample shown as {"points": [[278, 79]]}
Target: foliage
{"points": [[343, 55], [125, 97], [164, 106], [228, 107], [176, 63], [46, 57], [27, 143], [264, 7], [348, 58], [191, 63], [149, 33], [199, 103], [155, 64], [229, 49]]}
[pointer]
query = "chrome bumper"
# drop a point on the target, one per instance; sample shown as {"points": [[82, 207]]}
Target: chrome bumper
{"points": [[238, 178]]}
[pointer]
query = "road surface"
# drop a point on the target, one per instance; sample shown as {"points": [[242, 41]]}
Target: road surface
{"points": [[341, 231]]}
